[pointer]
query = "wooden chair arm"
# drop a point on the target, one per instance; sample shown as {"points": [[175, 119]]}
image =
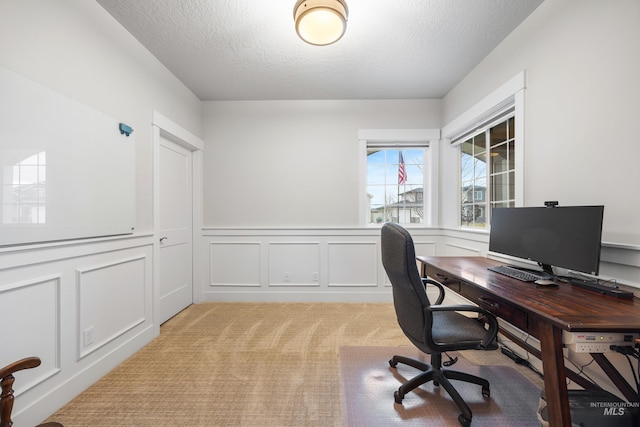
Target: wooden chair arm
{"points": [[26, 363]]}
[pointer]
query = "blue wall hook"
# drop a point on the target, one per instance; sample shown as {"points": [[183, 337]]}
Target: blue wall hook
{"points": [[125, 129]]}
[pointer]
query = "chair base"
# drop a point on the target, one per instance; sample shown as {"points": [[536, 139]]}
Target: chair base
{"points": [[439, 376]]}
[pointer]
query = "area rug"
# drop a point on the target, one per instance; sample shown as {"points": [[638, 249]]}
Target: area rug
{"points": [[368, 383]]}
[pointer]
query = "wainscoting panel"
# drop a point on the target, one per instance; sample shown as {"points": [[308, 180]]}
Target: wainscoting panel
{"points": [[456, 249], [59, 296], [425, 247], [111, 301], [27, 331], [353, 263], [299, 264], [622, 263], [234, 263], [280, 264], [294, 264]]}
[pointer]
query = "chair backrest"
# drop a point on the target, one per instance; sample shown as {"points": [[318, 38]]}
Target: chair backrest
{"points": [[409, 296]]}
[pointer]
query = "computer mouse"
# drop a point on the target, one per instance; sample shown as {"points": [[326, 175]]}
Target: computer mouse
{"points": [[545, 282]]}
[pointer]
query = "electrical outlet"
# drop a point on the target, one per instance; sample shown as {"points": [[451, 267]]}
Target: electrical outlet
{"points": [[287, 276], [314, 276], [592, 347], [88, 337]]}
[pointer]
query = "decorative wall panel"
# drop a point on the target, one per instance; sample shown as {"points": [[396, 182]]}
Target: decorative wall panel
{"points": [[31, 327], [294, 264], [234, 263], [111, 300], [353, 263]]}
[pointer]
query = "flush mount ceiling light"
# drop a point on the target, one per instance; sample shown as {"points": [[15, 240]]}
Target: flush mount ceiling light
{"points": [[320, 22]]}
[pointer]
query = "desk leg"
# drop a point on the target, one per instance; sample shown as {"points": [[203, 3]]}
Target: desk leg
{"points": [[555, 382], [614, 375]]}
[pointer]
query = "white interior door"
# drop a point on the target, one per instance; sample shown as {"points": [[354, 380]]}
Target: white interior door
{"points": [[175, 228]]}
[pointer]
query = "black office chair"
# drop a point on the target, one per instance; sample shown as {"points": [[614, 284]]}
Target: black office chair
{"points": [[434, 329]]}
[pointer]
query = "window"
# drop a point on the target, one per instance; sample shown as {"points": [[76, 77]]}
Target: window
{"points": [[398, 176], [487, 144], [395, 184], [487, 164]]}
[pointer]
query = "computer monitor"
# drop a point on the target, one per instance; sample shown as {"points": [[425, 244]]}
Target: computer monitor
{"points": [[566, 237]]}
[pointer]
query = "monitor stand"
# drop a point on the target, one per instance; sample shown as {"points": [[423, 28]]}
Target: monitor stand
{"points": [[546, 268]]}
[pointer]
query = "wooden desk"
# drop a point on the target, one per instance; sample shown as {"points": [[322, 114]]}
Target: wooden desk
{"points": [[543, 312]]}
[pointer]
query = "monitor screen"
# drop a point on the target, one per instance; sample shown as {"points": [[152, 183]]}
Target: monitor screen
{"points": [[567, 237]]}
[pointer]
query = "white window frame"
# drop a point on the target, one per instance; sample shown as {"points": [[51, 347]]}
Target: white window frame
{"points": [[394, 138], [510, 93]]}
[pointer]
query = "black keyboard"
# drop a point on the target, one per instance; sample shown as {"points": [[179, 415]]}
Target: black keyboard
{"points": [[522, 275]]}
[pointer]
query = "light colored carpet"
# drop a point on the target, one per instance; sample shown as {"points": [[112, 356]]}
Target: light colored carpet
{"points": [[368, 384], [239, 364]]}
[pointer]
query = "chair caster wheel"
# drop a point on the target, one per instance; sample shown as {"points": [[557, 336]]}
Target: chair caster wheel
{"points": [[486, 392], [397, 396], [393, 363], [464, 421]]}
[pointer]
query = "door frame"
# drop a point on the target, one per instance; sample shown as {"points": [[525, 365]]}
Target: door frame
{"points": [[166, 128]]}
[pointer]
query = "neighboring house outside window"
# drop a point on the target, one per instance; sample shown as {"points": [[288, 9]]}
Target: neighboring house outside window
{"points": [[473, 209], [487, 161]]}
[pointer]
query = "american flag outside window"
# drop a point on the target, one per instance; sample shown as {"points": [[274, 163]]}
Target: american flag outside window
{"points": [[402, 174]]}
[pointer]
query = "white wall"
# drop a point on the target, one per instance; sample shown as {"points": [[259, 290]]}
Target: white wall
{"points": [[281, 203], [56, 292], [294, 163], [582, 62]]}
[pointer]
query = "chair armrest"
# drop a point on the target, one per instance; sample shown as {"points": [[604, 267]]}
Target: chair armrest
{"points": [[491, 319], [438, 285], [26, 363]]}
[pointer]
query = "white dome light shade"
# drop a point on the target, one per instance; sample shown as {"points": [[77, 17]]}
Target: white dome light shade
{"points": [[320, 22]]}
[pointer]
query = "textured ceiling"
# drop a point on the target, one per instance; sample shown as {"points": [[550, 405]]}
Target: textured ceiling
{"points": [[248, 49]]}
